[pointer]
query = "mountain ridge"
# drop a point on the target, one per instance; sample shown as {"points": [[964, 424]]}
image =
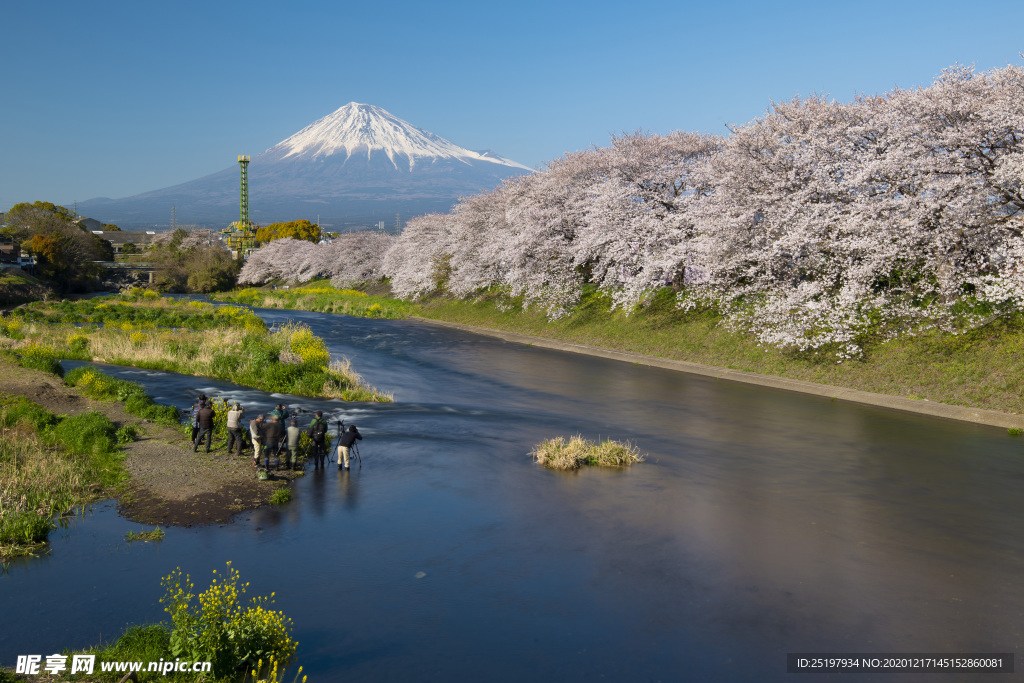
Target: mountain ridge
{"points": [[357, 165]]}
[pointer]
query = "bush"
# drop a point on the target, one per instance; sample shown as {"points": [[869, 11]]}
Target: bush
{"points": [[89, 433], [220, 630], [127, 434], [39, 359]]}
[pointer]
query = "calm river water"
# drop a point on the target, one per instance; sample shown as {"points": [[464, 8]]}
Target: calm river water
{"points": [[762, 523]]}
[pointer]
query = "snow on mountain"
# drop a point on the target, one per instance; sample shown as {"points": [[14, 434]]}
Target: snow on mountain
{"points": [[354, 166], [363, 129]]}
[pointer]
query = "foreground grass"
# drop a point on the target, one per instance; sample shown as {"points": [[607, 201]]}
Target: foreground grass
{"points": [[562, 454], [48, 465], [191, 338]]}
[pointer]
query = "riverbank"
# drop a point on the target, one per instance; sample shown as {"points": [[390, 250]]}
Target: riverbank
{"points": [[18, 287], [168, 484], [993, 418], [140, 329], [974, 376]]}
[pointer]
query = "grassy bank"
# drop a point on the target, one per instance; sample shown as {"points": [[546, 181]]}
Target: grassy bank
{"points": [[193, 338], [983, 368], [17, 286], [48, 465], [321, 298]]}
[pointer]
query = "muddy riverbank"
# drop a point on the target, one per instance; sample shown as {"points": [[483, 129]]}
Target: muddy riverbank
{"points": [[169, 484]]}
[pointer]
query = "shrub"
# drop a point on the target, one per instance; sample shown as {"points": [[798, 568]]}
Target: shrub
{"points": [[11, 329], [219, 629], [40, 359], [89, 433], [281, 496], [127, 434], [78, 343]]}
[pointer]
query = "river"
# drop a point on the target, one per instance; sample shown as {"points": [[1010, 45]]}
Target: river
{"points": [[762, 523]]}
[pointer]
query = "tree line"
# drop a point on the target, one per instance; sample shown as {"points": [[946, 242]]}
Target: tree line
{"points": [[819, 225]]}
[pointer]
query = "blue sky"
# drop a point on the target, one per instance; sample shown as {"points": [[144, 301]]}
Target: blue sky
{"points": [[117, 98]]}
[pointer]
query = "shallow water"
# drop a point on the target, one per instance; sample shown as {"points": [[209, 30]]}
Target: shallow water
{"points": [[763, 522]]}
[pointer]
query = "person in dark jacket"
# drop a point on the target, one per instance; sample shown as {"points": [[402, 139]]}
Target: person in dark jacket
{"points": [[317, 436], [273, 434], [345, 443], [204, 420], [195, 416]]}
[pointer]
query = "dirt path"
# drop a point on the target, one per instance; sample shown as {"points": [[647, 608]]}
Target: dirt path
{"points": [[170, 485]]}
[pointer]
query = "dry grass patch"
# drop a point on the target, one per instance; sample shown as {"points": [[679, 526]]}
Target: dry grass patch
{"points": [[349, 385], [562, 454]]}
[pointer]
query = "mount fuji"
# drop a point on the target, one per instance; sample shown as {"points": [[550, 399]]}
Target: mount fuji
{"points": [[357, 165]]}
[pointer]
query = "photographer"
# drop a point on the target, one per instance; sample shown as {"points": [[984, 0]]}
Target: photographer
{"points": [[345, 443]]}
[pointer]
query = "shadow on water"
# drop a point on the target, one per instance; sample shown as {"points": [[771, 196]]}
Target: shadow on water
{"points": [[762, 523]]}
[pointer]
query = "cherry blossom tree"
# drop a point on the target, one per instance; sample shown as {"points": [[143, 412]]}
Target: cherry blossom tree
{"points": [[820, 225]]}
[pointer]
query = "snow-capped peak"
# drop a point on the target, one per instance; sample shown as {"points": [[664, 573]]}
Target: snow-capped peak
{"points": [[363, 128]]}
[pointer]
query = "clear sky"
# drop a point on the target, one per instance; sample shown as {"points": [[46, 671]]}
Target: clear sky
{"points": [[110, 99]]}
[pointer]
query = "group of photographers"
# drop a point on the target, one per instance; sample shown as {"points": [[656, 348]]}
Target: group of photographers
{"points": [[275, 435]]}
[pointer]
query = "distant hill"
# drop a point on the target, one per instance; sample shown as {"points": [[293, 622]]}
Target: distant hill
{"points": [[357, 165]]}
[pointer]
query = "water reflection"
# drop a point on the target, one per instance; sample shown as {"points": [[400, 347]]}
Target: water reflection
{"points": [[763, 523]]}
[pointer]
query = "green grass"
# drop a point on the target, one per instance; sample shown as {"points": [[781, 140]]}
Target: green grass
{"points": [[281, 496], [48, 465], [239, 349], [140, 309], [97, 384], [320, 297], [562, 454], [40, 359], [156, 534]]}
